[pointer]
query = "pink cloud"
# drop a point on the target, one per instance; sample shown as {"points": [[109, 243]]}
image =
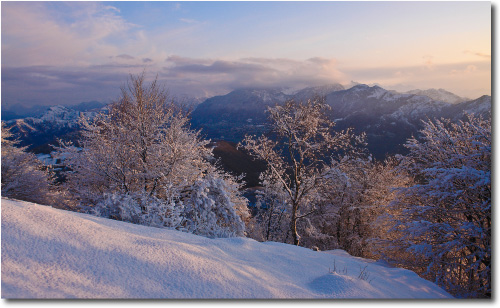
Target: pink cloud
{"points": [[32, 34]]}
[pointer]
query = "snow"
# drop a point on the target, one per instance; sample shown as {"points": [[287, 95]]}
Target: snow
{"points": [[56, 115], [377, 92], [439, 95], [51, 253]]}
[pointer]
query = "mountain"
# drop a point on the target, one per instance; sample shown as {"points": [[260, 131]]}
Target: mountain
{"points": [[13, 112], [440, 95], [389, 118], [88, 106], [231, 116], [481, 106], [308, 93], [52, 253], [55, 122]]}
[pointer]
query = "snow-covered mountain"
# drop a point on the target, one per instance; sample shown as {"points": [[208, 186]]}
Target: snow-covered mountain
{"points": [[62, 116], [440, 95], [55, 122], [388, 117], [310, 92], [481, 105], [51, 253], [233, 115]]}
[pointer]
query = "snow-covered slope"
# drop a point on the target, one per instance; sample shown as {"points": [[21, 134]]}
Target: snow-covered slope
{"points": [[50, 253], [439, 95]]}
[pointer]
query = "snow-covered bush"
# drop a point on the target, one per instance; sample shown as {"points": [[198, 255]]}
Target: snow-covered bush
{"points": [[139, 209], [24, 177], [355, 191], [444, 221], [271, 220], [143, 145], [215, 208]]}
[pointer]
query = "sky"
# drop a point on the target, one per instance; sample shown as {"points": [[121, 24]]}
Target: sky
{"points": [[71, 52]]}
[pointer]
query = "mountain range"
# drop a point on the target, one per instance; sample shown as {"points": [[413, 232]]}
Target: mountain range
{"points": [[55, 122], [387, 117]]}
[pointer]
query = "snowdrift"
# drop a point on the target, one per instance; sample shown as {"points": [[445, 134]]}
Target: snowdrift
{"points": [[51, 253]]}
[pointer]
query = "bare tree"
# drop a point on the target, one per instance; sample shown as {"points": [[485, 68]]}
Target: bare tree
{"points": [[299, 153]]}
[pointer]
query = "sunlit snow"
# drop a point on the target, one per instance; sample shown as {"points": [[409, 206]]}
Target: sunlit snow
{"points": [[51, 253]]}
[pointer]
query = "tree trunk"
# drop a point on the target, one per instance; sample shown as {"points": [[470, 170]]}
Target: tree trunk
{"points": [[293, 225]]}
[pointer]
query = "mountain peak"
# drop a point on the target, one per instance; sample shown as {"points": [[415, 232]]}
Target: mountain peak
{"points": [[441, 95]]}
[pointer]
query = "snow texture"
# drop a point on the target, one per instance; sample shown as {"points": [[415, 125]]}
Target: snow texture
{"points": [[51, 253]]}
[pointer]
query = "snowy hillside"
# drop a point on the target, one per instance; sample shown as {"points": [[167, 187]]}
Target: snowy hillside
{"points": [[50, 253]]}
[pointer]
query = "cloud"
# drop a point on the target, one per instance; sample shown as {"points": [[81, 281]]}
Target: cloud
{"points": [[428, 62], [50, 85], [479, 54], [214, 67], [72, 33], [125, 57], [204, 77], [220, 76], [183, 76], [468, 70], [458, 78]]}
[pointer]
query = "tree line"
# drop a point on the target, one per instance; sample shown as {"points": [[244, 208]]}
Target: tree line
{"points": [[429, 211]]}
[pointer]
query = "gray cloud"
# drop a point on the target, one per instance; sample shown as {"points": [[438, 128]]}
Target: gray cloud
{"points": [[192, 77], [125, 57], [202, 77], [217, 67], [218, 76], [48, 85]]}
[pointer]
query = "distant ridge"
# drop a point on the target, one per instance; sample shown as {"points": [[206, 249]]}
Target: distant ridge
{"points": [[388, 117], [440, 95]]}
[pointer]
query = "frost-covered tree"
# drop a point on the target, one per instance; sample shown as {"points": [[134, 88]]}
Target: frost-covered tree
{"points": [[355, 193], [298, 154], [271, 220], [24, 177], [141, 162], [142, 145], [444, 220]]}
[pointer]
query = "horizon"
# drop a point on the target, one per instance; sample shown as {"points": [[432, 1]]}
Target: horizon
{"points": [[65, 53]]}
